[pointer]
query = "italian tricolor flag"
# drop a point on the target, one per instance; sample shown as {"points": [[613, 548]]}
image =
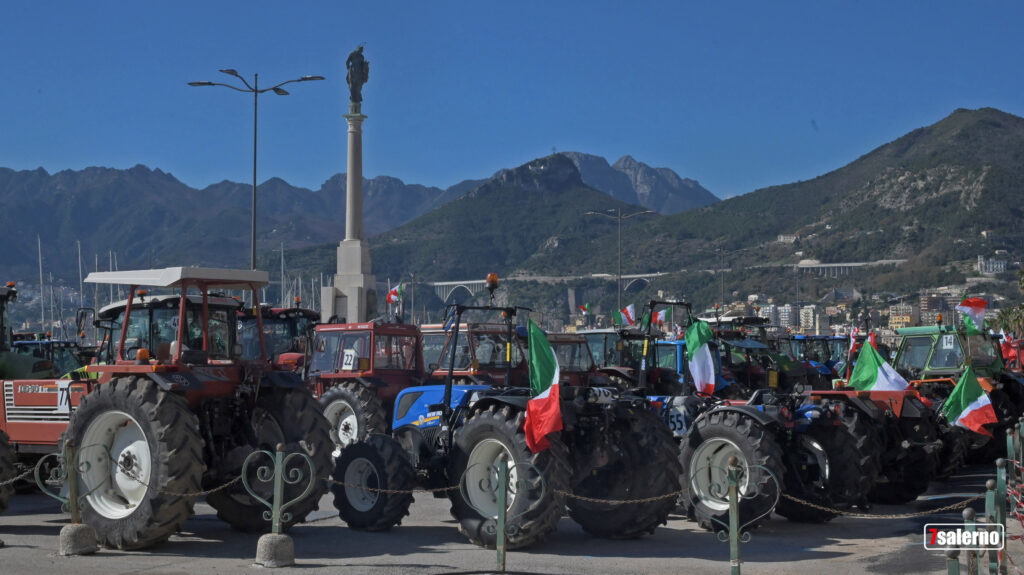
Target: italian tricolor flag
{"points": [[969, 406], [698, 353], [395, 295], [543, 413], [585, 308], [872, 372], [973, 309], [628, 314]]}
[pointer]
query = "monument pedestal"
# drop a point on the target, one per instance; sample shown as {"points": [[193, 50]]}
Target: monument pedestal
{"points": [[353, 298]]}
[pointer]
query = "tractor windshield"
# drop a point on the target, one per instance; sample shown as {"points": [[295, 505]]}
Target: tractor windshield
{"points": [[394, 352], [947, 353], [157, 329], [913, 355], [573, 356], [433, 345], [489, 350], [666, 355], [983, 350]]}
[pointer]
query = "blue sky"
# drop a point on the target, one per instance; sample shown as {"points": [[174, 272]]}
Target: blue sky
{"points": [[737, 95]]}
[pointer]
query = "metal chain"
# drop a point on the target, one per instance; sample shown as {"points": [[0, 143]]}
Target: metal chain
{"points": [[131, 475], [952, 507], [673, 495], [16, 478], [393, 491]]}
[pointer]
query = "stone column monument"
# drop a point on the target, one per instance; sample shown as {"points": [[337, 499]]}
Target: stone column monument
{"points": [[353, 297]]}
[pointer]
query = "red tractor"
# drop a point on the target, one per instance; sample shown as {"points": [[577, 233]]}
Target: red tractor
{"points": [[171, 408], [357, 370]]}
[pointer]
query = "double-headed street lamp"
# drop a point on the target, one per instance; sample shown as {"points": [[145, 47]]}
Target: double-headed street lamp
{"points": [[256, 91], [619, 217]]}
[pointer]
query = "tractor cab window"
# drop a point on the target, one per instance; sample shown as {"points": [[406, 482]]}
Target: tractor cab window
{"points": [[355, 351], [489, 349], [278, 336], [65, 359], [326, 346], [394, 352], [219, 336], [463, 359], [984, 352], [913, 355], [249, 337], [666, 355], [573, 356], [433, 345], [602, 347], [137, 334], [947, 353]]}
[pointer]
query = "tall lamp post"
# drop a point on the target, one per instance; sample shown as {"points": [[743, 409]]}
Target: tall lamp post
{"points": [[619, 217], [254, 88]]}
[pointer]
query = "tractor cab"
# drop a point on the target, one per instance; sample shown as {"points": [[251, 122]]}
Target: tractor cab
{"points": [[482, 355], [286, 334]]}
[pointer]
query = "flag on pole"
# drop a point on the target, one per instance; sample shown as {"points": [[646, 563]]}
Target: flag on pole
{"points": [[628, 314], [659, 318], [395, 295], [849, 352], [973, 309], [585, 308], [873, 373], [698, 353], [543, 412], [969, 406]]}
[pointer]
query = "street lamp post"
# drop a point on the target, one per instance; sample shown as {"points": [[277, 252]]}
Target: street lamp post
{"points": [[256, 91], [619, 217]]}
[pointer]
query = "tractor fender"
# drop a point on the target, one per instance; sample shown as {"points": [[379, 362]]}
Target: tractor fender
{"points": [[517, 402], [285, 379], [175, 381], [913, 407], [750, 411]]}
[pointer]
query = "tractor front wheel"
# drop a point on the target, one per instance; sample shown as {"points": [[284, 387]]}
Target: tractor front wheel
{"points": [[354, 413], [373, 483]]}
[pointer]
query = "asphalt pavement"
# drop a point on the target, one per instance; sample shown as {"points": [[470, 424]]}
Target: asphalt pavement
{"points": [[428, 543]]}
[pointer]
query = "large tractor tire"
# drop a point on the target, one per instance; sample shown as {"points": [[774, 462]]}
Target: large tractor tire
{"points": [[495, 436], [908, 477], [705, 453], [293, 418], [647, 466], [376, 483], [838, 465], [6, 471], [354, 412], [955, 443], [139, 455]]}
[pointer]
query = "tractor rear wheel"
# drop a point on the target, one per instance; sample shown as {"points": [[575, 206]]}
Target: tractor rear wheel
{"points": [[908, 477], [6, 471], [495, 437], [713, 440], [839, 468], [354, 412], [376, 483], [647, 466], [290, 417], [139, 455]]}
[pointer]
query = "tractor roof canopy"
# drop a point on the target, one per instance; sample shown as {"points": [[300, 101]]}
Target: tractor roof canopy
{"points": [[211, 278]]}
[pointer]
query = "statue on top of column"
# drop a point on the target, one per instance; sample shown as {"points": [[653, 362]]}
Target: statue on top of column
{"points": [[358, 74]]}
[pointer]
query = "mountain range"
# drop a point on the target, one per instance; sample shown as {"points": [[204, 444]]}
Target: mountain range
{"points": [[147, 218]]}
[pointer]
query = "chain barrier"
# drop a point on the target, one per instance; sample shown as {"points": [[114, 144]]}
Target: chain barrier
{"points": [[134, 477], [859, 515], [16, 478]]}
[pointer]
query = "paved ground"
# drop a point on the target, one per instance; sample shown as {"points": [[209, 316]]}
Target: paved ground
{"points": [[428, 543]]}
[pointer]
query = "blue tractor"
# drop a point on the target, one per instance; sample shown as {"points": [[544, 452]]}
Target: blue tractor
{"points": [[611, 447]]}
